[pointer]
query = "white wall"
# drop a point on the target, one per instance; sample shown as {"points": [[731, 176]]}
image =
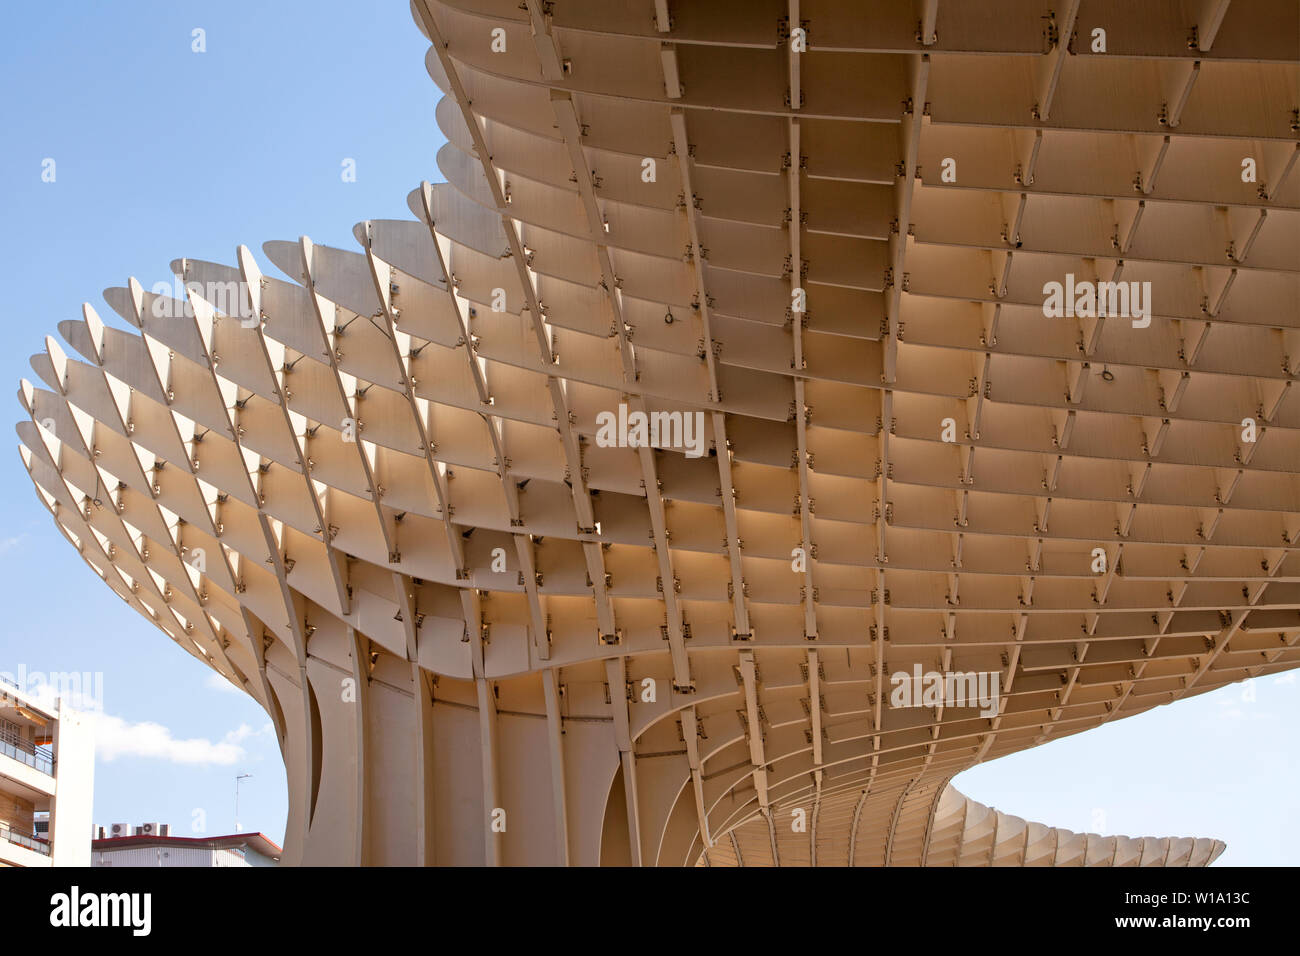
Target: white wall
{"points": [[179, 855], [154, 856], [72, 809]]}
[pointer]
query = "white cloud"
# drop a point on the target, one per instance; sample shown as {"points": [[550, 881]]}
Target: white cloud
{"points": [[1287, 678], [11, 542], [216, 682], [244, 732], [115, 737]]}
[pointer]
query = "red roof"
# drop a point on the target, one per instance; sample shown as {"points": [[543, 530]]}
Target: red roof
{"points": [[258, 841]]}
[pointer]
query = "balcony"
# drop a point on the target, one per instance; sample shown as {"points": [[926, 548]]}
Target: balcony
{"points": [[38, 758], [25, 840]]}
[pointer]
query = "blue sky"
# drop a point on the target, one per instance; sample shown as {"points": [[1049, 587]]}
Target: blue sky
{"points": [[162, 152]]}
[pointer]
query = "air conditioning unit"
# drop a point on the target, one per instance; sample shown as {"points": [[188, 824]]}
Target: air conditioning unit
{"points": [[119, 830], [165, 829], [99, 833], [149, 829]]}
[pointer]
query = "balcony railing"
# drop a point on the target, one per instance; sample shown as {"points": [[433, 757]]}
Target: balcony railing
{"points": [[18, 838], [38, 758]]}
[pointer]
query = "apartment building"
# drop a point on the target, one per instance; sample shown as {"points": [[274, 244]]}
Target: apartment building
{"points": [[47, 765], [152, 844]]}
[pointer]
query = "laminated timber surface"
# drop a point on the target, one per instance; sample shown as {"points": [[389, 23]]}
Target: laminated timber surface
{"points": [[371, 495], [956, 831]]}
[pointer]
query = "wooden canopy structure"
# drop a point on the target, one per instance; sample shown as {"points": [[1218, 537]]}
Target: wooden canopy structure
{"points": [[372, 494]]}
